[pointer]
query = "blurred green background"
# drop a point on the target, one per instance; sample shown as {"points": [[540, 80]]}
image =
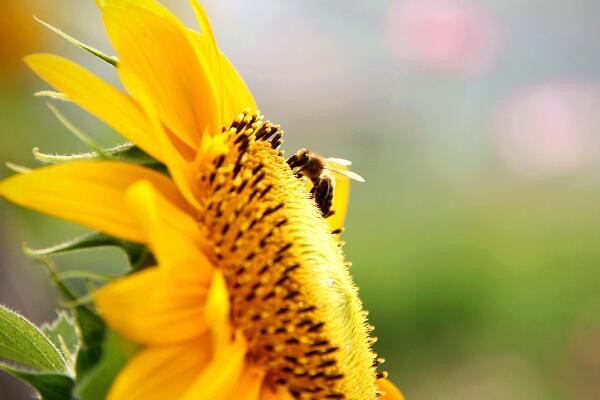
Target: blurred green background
{"points": [[476, 239]]}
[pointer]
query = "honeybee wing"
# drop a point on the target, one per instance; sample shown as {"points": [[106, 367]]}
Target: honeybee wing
{"points": [[340, 161], [348, 174]]}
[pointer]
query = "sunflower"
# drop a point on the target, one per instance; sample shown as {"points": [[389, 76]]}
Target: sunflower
{"points": [[251, 297]]}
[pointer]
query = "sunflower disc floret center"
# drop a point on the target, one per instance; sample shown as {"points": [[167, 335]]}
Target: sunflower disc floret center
{"points": [[290, 291]]}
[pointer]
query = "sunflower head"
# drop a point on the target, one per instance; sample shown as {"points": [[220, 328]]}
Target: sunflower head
{"points": [[290, 291]]}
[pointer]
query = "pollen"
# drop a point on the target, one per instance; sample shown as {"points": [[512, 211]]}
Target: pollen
{"points": [[290, 290]]}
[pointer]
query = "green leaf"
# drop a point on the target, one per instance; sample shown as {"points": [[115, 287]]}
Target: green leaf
{"points": [[63, 333], [22, 342], [50, 386], [116, 351], [109, 59]]}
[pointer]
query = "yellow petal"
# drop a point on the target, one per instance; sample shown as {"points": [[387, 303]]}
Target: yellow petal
{"points": [[150, 5], [278, 393], [154, 48], [237, 95], [97, 97], [153, 307], [230, 88], [209, 56], [391, 392], [217, 311], [87, 192], [172, 233], [233, 93], [180, 159], [161, 372], [249, 385], [182, 170], [221, 375], [341, 197]]}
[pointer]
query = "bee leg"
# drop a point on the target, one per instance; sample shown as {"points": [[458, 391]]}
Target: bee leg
{"points": [[329, 214]]}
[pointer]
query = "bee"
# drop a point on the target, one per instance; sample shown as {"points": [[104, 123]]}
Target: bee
{"points": [[319, 170]]}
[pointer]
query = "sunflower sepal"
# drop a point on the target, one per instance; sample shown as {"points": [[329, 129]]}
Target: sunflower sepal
{"points": [[97, 352], [51, 94], [125, 152], [116, 351], [91, 329], [63, 334], [137, 254], [104, 57]]}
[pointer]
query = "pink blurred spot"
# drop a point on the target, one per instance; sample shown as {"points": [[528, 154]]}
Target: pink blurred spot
{"points": [[449, 35], [549, 129]]}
